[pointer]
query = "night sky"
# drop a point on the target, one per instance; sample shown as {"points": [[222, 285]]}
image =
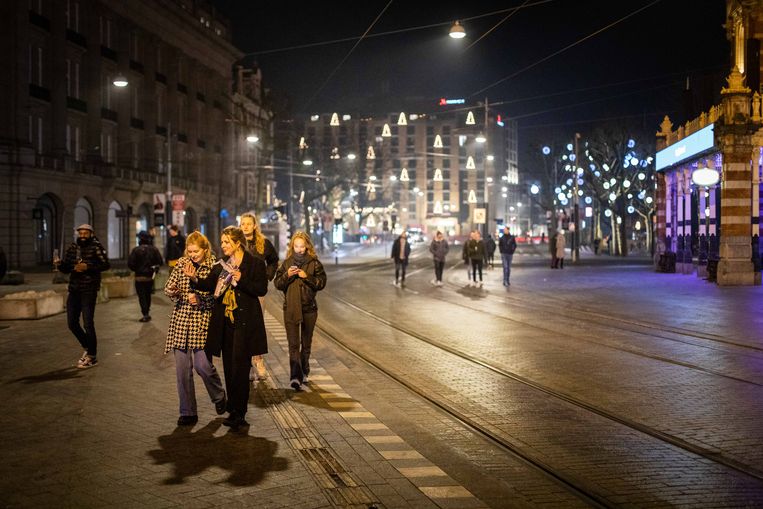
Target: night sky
{"points": [[635, 69]]}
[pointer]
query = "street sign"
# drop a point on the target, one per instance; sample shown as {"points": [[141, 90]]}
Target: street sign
{"points": [[479, 216]]}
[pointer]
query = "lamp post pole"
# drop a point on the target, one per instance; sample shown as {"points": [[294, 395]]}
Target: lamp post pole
{"points": [[169, 174], [484, 167], [576, 218]]}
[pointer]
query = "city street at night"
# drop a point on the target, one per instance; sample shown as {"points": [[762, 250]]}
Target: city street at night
{"points": [[604, 384]]}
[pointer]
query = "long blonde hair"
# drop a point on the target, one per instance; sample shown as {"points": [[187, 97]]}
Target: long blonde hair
{"points": [[259, 238], [309, 249]]}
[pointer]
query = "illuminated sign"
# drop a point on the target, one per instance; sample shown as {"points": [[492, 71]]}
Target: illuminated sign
{"points": [[445, 102], [701, 141]]}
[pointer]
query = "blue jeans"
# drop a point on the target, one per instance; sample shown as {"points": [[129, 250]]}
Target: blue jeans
{"points": [[83, 303], [185, 362], [506, 260]]}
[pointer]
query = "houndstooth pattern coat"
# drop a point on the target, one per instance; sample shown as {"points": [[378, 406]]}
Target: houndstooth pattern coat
{"points": [[189, 323]]}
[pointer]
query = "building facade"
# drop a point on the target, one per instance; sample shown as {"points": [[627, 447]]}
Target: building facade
{"points": [[709, 170], [75, 148], [452, 170]]}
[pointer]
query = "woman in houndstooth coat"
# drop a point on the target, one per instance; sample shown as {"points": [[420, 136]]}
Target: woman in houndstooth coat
{"points": [[187, 333]]}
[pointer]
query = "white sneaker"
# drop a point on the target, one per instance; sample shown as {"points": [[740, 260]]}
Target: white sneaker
{"points": [[433, 282], [439, 283], [87, 362]]}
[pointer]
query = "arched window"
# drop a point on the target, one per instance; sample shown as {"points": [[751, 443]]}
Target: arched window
{"points": [[115, 235], [45, 216]]}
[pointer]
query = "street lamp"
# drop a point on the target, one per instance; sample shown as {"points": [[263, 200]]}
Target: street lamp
{"points": [[252, 138], [457, 31], [120, 81]]}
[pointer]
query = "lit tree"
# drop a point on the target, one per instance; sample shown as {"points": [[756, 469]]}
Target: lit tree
{"points": [[618, 167]]}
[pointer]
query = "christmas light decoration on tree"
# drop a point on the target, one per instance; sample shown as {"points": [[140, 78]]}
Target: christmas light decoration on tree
{"points": [[437, 141], [386, 132], [370, 222], [472, 196], [370, 154], [401, 119], [404, 175], [437, 175], [470, 163], [302, 144], [334, 120], [370, 187], [470, 118]]}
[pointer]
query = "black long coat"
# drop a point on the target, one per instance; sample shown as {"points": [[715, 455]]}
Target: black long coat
{"points": [[248, 321]]}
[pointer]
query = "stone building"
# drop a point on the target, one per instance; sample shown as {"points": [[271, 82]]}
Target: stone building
{"points": [[709, 170], [75, 148]]}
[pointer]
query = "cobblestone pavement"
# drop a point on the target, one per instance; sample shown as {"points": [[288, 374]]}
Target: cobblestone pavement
{"points": [[106, 437], [606, 373]]}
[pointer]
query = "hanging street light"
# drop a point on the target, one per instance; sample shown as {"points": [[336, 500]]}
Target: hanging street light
{"points": [[457, 31], [705, 176], [120, 81], [252, 138]]}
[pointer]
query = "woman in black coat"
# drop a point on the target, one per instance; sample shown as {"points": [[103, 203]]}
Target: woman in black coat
{"points": [[237, 328]]}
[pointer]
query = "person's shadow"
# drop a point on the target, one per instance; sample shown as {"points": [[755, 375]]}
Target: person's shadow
{"points": [[50, 376], [193, 451]]}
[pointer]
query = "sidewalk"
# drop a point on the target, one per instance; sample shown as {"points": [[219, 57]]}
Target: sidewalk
{"points": [[106, 437]]}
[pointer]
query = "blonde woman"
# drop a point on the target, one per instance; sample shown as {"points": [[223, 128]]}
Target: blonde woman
{"points": [[299, 277], [187, 334], [236, 328], [260, 247]]}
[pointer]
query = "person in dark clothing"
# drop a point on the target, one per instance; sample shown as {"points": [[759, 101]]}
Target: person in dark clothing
{"points": [[84, 260], [490, 250], [475, 252], [439, 249], [299, 277], [145, 261], [260, 247], [507, 244], [236, 327], [401, 250], [175, 245]]}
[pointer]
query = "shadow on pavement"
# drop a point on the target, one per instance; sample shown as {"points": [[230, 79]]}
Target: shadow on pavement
{"points": [[50, 376], [192, 452], [472, 292]]}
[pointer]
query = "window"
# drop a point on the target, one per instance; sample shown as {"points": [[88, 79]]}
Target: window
{"points": [[73, 141], [72, 15], [135, 47], [72, 78], [35, 65], [35, 132], [160, 108], [107, 146], [105, 32], [135, 102], [36, 6], [159, 59], [106, 96]]}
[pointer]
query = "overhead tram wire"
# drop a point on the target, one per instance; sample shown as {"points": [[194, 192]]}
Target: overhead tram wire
{"points": [[331, 75], [480, 91], [392, 32], [656, 114], [495, 26]]}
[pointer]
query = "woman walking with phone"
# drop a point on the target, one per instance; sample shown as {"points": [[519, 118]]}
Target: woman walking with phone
{"points": [[299, 277]]}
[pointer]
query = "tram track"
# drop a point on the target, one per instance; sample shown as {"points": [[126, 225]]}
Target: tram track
{"points": [[702, 452]]}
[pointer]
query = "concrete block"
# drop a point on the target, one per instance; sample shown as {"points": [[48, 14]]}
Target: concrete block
{"points": [[31, 305], [117, 287]]}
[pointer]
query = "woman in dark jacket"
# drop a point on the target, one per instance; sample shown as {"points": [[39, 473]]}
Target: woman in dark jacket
{"points": [[299, 277], [237, 328]]}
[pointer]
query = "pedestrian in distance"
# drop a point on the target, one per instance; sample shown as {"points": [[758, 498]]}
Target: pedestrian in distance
{"points": [[507, 244], [596, 244], [552, 250], [401, 250], [490, 250], [84, 260], [236, 327], [144, 261], [187, 333], [300, 277], [475, 250], [561, 243], [260, 247], [175, 245], [439, 249]]}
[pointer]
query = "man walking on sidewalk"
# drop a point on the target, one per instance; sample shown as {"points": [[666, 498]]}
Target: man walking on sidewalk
{"points": [[145, 261], [401, 250], [507, 244], [84, 259]]}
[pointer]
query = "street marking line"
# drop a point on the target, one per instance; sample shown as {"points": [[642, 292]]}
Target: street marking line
{"points": [[402, 455], [422, 472], [384, 439], [446, 492], [359, 426]]}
